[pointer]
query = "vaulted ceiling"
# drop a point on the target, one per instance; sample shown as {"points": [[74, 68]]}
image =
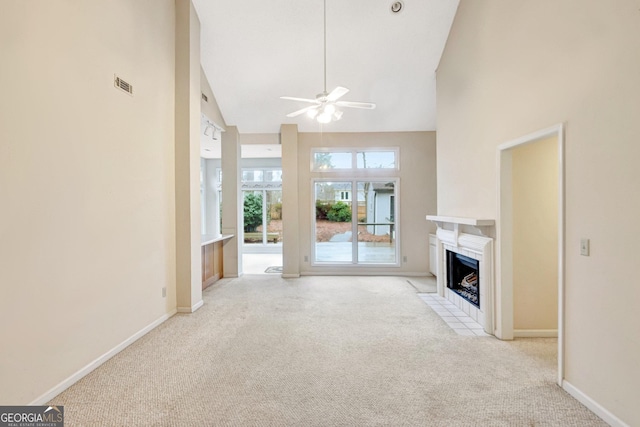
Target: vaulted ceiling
{"points": [[254, 51]]}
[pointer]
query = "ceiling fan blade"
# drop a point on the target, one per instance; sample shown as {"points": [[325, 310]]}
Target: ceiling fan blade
{"points": [[304, 110], [290, 98], [337, 93], [365, 105]]}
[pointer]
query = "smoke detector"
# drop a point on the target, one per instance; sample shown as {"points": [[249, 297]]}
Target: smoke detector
{"points": [[396, 6]]}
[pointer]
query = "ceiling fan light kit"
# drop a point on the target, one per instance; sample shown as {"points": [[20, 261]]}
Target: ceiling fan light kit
{"points": [[325, 108]]}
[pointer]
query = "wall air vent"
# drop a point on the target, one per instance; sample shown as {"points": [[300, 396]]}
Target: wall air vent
{"points": [[123, 85], [204, 97]]}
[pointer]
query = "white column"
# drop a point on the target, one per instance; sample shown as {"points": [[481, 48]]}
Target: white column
{"points": [[290, 208], [187, 158], [232, 212]]}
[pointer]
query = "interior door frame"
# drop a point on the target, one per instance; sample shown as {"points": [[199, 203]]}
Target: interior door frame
{"points": [[504, 255]]}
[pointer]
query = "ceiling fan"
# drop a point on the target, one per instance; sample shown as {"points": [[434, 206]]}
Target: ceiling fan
{"points": [[325, 105]]}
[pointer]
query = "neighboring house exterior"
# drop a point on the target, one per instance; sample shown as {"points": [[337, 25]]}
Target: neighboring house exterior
{"points": [[380, 207]]}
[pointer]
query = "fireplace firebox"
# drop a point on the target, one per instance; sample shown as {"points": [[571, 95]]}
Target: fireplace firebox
{"points": [[463, 277]]}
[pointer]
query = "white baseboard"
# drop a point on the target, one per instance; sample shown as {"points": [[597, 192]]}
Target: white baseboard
{"points": [[363, 273], [190, 309], [535, 333], [65, 384], [593, 406]]}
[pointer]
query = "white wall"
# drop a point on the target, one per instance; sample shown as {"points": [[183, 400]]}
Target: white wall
{"points": [[87, 221], [417, 194], [511, 68], [210, 107], [535, 235]]}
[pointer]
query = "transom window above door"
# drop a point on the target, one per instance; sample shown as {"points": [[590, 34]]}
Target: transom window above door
{"points": [[341, 160], [261, 175]]}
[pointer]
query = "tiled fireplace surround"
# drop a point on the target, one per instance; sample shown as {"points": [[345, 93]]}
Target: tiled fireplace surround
{"points": [[472, 238]]}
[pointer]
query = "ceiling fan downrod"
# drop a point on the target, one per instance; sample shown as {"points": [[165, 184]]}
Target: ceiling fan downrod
{"points": [[326, 104]]}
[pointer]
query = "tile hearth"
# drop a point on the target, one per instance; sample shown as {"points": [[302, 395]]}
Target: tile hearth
{"points": [[457, 319]]}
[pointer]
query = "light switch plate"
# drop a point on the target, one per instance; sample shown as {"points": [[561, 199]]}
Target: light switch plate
{"points": [[584, 247]]}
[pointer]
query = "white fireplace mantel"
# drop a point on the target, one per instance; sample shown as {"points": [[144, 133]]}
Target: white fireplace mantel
{"points": [[459, 220], [482, 226]]}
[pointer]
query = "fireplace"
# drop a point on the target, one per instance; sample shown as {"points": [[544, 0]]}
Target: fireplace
{"points": [[464, 265], [463, 277]]}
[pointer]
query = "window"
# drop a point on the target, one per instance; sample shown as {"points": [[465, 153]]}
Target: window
{"points": [[273, 175], [262, 177], [355, 206], [324, 160], [354, 159], [376, 160], [369, 217], [252, 176]]}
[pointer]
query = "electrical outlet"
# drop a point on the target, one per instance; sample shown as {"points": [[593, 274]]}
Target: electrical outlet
{"points": [[584, 247], [164, 292]]}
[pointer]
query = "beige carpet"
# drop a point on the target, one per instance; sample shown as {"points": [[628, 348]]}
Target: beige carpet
{"points": [[322, 351], [424, 285]]}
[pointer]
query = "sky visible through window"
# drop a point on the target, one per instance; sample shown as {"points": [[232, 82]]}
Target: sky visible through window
{"points": [[376, 159], [364, 160]]}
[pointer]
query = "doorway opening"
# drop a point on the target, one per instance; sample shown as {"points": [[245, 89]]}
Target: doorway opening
{"points": [[530, 236], [261, 184], [262, 231]]}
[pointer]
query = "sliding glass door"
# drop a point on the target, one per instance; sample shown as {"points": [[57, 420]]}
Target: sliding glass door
{"points": [[376, 222], [355, 222], [333, 222]]}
